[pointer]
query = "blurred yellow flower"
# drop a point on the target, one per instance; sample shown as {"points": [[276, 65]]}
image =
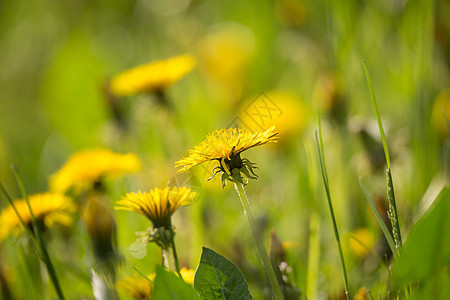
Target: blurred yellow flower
{"points": [[188, 275], [224, 145], [441, 113], [223, 56], [282, 109], [362, 241], [48, 209], [152, 77], [158, 204], [137, 288], [85, 168]]}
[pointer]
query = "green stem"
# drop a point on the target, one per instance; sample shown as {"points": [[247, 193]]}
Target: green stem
{"points": [[330, 204], [174, 250], [256, 234], [43, 249], [393, 216], [377, 113]]}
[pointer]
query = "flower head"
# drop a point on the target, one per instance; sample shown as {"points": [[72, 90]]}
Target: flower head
{"points": [[137, 288], [225, 146], [188, 275], [158, 204], [152, 77], [48, 209], [85, 168]]}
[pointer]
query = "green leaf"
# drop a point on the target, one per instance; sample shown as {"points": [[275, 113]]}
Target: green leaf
{"points": [[426, 252], [218, 278], [169, 286]]}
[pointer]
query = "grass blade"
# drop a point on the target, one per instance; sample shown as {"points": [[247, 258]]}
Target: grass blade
{"points": [[25, 226], [392, 213], [330, 204], [377, 113], [383, 226], [45, 257]]}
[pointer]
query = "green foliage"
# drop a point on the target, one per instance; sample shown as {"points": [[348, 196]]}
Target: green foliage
{"points": [[219, 278], [171, 287], [425, 259]]}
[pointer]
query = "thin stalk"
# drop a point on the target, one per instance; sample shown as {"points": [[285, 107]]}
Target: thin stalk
{"points": [[142, 274], [43, 249], [330, 204], [25, 226], [377, 113], [383, 226], [174, 250], [256, 234], [392, 213]]}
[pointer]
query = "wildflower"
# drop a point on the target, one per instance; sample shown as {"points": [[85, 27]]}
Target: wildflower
{"points": [[440, 115], [158, 206], [362, 241], [225, 54], [289, 114], [137, 288], [226, 146], [86, 168], [101, 227], [48, 209], [188, 275], [152, 77]]}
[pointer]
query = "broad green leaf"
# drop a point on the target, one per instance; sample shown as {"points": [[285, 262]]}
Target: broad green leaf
{"points": [[426, 252], [169, 286], [218, 278]]}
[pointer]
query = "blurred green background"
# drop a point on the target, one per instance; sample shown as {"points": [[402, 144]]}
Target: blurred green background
{"points": [[58, 56]]}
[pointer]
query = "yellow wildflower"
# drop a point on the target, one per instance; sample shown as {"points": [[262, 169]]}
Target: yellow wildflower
{"points": [[224, 55], [85, 168], [362, 241], [440, 115], [48, 209], [152, 77], [282, 109], [188, 275], [158, 204], [225, 146], [137, 288]]}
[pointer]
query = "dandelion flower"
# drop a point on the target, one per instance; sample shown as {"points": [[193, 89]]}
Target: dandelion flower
{"points": [[158, 204], [48, 209], [152, 77], [226, 146], [137, 288], [85, 168], [188, 275]]}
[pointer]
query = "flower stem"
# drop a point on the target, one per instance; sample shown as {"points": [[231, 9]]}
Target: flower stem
{"points": [[41, 245], [174, 250], [256, 234], [330, 204]]}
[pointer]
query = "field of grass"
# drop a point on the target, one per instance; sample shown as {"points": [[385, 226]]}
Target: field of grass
{"points": [[352, 198]]}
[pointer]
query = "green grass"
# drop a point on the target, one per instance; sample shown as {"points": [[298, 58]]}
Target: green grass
{"points": [[57, 57]]}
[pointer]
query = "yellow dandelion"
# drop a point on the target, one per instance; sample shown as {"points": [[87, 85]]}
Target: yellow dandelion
{"points": [[440, 115], [225, 146], [188, 275], [362, 241], [137, 288], [282, 109], [48, 209], [85, 168], [152, 77], [224, 55], [158, 204]]}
